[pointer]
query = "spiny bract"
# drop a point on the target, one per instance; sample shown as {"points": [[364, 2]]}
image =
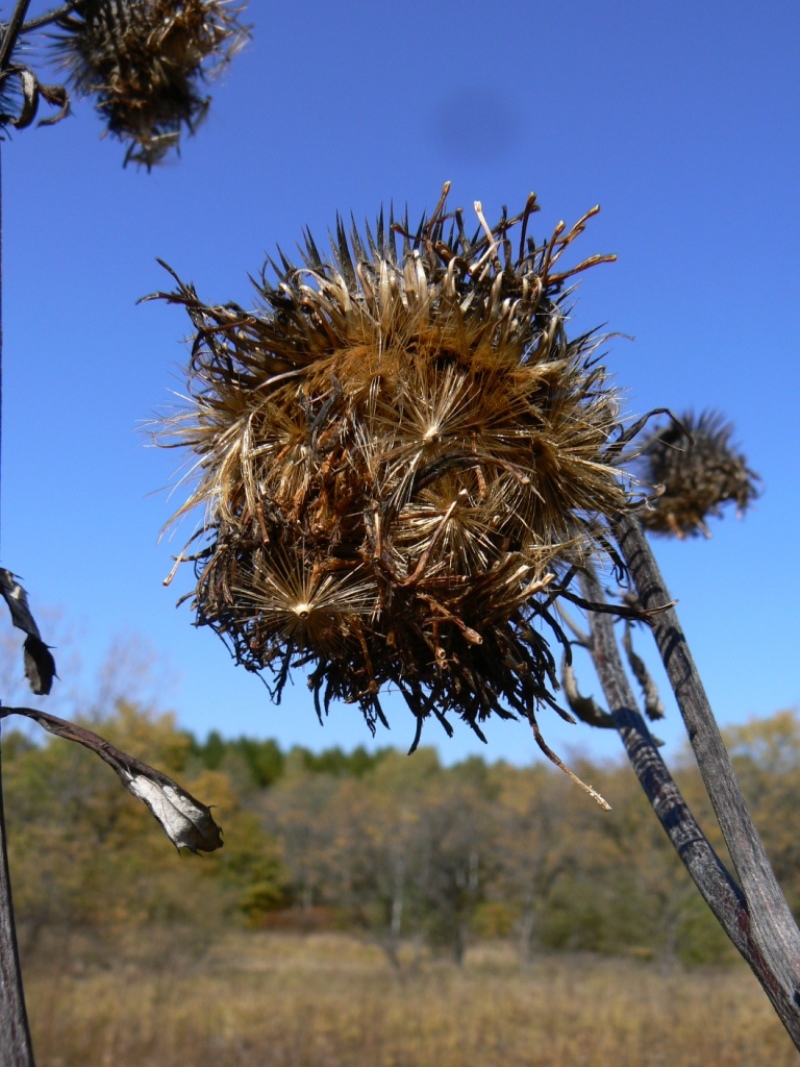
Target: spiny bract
{"points": [[144, 60], [697, 470], [402, 459]]}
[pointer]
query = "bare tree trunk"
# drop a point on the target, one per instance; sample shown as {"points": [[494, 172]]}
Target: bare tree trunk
{"points": [[527, 928], [398, 900], [391, 943]]}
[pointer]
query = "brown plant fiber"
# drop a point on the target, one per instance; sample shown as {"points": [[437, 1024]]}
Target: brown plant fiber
{"points": [[697, 470], [402, 459], [146, 61]]}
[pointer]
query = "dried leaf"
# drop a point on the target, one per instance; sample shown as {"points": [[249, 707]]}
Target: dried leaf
{"points": [[58, 96], [30, 97], [32, 91], [585, 708], [40, 667], [17, 600]]}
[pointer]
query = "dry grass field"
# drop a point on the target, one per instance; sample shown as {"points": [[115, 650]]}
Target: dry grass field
{"points": [[328, 1000]]}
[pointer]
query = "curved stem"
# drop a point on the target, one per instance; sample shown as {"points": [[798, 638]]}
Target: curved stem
{"points": [[50, 17]]}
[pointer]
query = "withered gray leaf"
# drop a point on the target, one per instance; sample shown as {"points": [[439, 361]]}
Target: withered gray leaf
{"points": [[186, 821]]}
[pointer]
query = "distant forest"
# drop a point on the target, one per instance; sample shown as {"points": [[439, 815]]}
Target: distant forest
{"points": [[397, 848]]}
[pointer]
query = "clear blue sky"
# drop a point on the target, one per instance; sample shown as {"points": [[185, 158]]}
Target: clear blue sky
{"points": [[680, 119]]}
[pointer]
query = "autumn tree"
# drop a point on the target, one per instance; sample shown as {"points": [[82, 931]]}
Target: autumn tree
{"points": [[85, 853], [534, 847]]}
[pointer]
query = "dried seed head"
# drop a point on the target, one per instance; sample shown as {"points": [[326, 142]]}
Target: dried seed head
{"points": [[144, 60], [402, 457], [696, 469]]}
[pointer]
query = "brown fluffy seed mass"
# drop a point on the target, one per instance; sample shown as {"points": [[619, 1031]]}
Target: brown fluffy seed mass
{"points": [[697, 469], [402, 459], [145, 61]]}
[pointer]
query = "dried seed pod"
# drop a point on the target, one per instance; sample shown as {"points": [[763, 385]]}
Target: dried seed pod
{"points": [[402, 458], [144, 60], [695, 469]]}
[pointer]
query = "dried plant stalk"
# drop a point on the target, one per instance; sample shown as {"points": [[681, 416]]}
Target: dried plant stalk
{"points": [[403, 460], [766, 932], [16, 1049]]}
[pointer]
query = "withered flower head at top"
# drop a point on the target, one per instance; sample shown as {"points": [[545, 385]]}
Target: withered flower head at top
{"points": [[402, 459], [145, 61], [696, 469]]}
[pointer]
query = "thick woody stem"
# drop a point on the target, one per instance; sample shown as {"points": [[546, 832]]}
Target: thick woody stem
{"points": [[706, 869], [772, 926], [15, 1040], [13, 29]]}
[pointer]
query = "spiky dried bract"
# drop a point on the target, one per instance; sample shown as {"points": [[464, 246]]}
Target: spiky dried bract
{"points": [[10, 101], [697, 469], [401, 455], [145, 61]]}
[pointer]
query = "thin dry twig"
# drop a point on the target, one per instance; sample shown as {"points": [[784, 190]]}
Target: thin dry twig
{"points": [[554, 759]]}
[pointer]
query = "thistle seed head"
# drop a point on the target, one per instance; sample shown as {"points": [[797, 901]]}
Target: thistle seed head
{"points": [[696, 469], [144, 60], [402, 457]]}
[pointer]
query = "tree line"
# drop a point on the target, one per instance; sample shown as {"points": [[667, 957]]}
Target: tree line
{"points": [[401, 849]]}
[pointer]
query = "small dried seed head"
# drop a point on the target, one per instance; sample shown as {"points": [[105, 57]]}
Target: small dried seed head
{"points": [[696, 469], [144, 60], [402, 458]]}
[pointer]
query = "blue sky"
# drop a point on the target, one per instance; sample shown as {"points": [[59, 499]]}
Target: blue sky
{"points": [[681, 120]]}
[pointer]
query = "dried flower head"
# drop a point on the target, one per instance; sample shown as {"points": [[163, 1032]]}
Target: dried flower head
{"points": [[696, 469], [144, 60], [402, 458]]}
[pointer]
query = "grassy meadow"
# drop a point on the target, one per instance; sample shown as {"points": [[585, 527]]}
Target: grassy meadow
{"points": [[332, 1000], [135, 956]]}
